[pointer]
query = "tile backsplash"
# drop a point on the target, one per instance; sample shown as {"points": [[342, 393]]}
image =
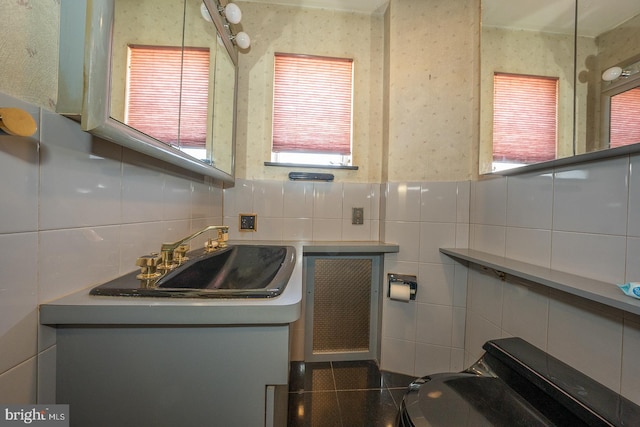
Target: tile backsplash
{"points": [[77, 211], [303, 211], [583, 220]]}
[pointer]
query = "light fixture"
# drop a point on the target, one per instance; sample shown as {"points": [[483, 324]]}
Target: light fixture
{"points": [[610, 74], [232, 12], [621, 71], [205, 12], [242, 40]]}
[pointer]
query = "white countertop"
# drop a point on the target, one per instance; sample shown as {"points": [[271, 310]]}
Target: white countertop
{"points": [[80, 308]]}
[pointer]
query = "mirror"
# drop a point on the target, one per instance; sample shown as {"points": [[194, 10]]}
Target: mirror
{"points": [[223, 126], [540, 41], [160, 80], [609, 36]]}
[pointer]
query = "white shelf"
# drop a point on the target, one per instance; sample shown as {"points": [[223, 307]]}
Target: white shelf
{"points": [[603, 292]]}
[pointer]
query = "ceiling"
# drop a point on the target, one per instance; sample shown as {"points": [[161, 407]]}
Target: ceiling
{"points": [[363, 6], [595, 16]]}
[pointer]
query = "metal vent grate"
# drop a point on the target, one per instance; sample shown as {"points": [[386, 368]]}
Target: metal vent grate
{"points": [[341, 305]]}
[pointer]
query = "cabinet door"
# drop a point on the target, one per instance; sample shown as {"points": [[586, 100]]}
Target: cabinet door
{"points": [[342, 300]]}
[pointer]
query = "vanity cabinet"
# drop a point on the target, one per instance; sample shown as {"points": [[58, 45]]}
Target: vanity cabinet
{"points": [[167, 362], [173, 375]]}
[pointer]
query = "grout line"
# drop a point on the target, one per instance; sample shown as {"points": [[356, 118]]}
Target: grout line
{"points": [[335, 391]]}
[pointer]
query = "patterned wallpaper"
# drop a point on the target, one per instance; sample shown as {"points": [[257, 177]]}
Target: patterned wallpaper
{"points": [[430, 130], [29, 49], [433, 69], [427, 109], [275, 28]]}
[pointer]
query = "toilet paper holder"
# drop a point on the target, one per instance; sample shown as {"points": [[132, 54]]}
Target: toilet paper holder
{"points": [[406, 279]]}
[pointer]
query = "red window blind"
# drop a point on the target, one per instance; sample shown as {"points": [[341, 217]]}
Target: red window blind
{"points": [[168, 93], [312, 104], [625, 118], [525, 118]]}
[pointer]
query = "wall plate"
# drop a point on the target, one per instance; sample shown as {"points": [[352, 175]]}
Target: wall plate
{"points": [[357, 216], [248, 222]]}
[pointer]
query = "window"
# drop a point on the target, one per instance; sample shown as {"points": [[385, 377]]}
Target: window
{"points": [[168, 93], [525, 119], [625, 126], [312, 110]]}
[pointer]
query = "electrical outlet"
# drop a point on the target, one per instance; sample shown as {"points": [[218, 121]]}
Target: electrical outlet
{"points": [[248, 222], [357, 216]]}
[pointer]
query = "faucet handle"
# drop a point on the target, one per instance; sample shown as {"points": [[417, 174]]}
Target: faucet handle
{"points": [[223, 237], [210, 245], [148, 267], [180, 254]]}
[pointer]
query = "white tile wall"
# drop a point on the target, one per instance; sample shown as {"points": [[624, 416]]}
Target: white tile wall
{"points": [[435, 235], [525, 312], [600, 256], [581, 219], [76, 211], [592, 198], [268, 198], [436, 203], [437, 284], [303, 211], [432, 358], [529, 245], [630, 385], [403, 201], [327, 200], [586, 337], [398, 355], [490, 202], [75, 258], [18, 299], [633, 255], [633, 227], [407, 236], [298, 200], [80, 177], [530, 201], [488, 238], [142, 190], [426, 335], [19, 189]]}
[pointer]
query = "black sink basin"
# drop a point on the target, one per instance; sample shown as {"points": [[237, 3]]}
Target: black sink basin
{"points": [[240, 271]]}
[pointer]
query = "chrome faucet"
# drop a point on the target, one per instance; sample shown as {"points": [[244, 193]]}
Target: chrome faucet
{"points": [[179, 248]]}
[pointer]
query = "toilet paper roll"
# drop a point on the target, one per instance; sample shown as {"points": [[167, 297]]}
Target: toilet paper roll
{"points": [[400, 291]]}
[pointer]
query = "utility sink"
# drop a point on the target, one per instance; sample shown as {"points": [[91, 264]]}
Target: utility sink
{"points": [[239, 271]]}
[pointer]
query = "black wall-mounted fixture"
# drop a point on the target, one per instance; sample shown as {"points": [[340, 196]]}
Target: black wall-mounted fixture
{"points": [[310, 176]]}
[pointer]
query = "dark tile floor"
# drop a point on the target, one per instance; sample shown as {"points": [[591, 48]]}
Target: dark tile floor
{"points": [[344, 394]]}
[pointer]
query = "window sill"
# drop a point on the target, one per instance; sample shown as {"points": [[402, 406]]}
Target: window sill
{"points": [[302, 165]]}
